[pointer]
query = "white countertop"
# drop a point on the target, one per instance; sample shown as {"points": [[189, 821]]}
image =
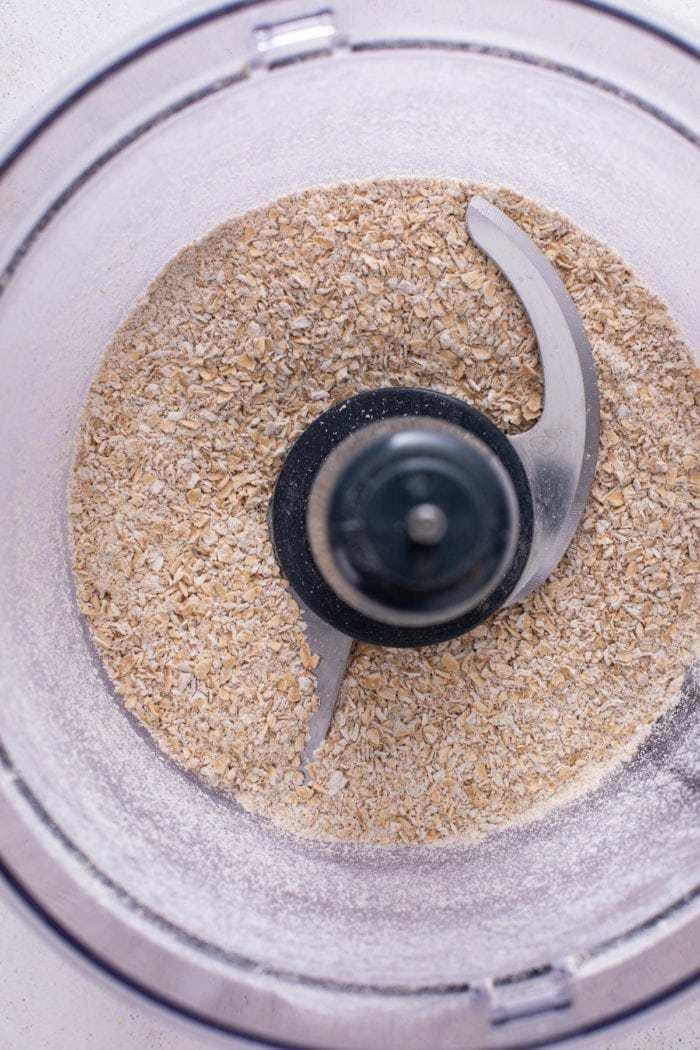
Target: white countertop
{"points": [[45, 1002]]}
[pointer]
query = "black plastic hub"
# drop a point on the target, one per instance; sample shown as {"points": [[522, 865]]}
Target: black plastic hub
{"points": [[417, 521]]}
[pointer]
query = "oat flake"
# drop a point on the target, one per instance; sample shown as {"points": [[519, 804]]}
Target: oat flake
{"points": [[236, 347]]}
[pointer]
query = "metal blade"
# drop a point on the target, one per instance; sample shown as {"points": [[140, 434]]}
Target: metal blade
{"points": [[333, 649], [559, 453]]}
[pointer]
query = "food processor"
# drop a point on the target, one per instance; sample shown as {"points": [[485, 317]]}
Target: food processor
{"points": [[544, 932]]}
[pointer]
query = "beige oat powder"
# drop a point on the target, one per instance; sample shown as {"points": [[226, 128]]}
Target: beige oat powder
{"points": [[238, 345]]}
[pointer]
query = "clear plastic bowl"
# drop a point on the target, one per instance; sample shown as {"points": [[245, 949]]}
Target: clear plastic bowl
{"points": [[558, 928]]}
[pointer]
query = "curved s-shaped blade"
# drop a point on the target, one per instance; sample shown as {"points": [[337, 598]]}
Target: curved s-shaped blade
{"points": [[559, 453]]}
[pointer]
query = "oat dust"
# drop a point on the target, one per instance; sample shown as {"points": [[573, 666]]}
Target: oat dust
{"points": [[236, 347]]}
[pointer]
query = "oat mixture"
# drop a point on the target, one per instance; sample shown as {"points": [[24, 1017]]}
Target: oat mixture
{"points": [[238, 345]]}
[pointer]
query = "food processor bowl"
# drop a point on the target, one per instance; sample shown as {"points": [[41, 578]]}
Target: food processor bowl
{"points": [[545, 931]]}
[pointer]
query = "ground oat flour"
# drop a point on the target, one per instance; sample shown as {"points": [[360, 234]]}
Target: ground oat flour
{"points": [[236, 347]]}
